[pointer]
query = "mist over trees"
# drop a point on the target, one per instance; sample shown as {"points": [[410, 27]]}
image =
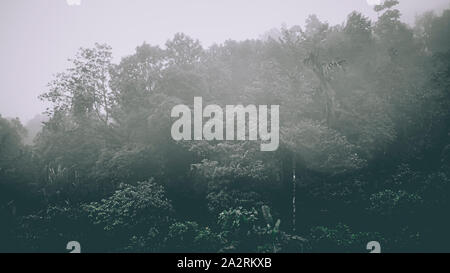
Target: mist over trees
{"points": [[364, 146]]}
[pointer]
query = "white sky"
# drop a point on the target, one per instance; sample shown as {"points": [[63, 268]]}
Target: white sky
{"points": [[37, 36]]}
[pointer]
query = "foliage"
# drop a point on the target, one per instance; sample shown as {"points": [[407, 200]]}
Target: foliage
{"points": [[341, 238], [132, 211]]}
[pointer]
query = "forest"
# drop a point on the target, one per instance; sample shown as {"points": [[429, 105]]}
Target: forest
{"points": [[364, 148]]}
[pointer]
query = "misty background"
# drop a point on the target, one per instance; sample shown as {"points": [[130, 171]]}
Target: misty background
{"points": [[37, 37]]}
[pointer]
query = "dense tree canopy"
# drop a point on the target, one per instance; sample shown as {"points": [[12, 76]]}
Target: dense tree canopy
{"points": [[364, 145]]}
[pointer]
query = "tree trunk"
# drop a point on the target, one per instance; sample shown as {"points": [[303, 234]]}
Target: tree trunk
{"points": [[293, 191], [327, 89], [330, 102]]}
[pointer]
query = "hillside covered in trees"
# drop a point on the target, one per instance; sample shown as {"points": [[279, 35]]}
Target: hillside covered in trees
{"points": [[364, 149]]}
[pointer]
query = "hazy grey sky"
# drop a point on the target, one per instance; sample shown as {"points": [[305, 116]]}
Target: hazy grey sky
{"points": [[37, 36]]}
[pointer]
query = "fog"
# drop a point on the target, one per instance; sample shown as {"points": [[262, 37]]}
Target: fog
{"points": [[38, 36]]}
